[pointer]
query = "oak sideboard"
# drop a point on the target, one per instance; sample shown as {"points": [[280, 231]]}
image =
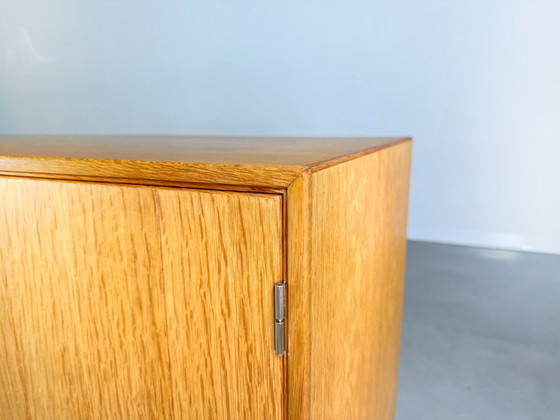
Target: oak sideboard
{"points": [[180, 277]]}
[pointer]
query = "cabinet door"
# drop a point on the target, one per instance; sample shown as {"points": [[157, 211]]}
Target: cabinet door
{"points": [[82, 313], [222, 253]]}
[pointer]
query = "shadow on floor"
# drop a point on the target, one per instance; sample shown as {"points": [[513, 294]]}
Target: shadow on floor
{"points": [[481, 335]]}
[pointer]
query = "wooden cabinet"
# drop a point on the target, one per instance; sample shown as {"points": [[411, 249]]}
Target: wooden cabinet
{"points": [[137, 277]]}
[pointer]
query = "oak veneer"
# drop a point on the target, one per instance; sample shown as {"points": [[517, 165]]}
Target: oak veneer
{"points": [[82, 313], [238, 163], [133, 286], [356, 270], [222, 254]]}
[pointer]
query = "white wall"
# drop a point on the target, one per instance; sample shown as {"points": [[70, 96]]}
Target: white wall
{"points": [[477, 83]]}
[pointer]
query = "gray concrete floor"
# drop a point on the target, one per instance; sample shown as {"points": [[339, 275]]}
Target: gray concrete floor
{"points": [[481, 335]]}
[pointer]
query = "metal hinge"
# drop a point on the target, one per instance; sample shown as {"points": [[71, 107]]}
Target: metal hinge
{"points": [[280, 317]]}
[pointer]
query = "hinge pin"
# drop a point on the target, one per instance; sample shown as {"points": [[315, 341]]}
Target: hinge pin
{"points": [[279, 317]]}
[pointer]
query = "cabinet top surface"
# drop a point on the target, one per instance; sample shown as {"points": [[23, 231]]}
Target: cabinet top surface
{"points": [[258, 161]]}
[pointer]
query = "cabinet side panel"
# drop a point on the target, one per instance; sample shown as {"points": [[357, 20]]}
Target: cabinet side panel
{"points": [[222, 254], [299, 293], [82, 311], [358, 241]]}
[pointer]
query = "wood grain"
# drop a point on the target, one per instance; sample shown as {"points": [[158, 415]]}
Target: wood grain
{"points": [[222, 254], [298, 241], [147, 182], [343, 354], [143, 302], [248, 162], [82, 312], [207, 174]]}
